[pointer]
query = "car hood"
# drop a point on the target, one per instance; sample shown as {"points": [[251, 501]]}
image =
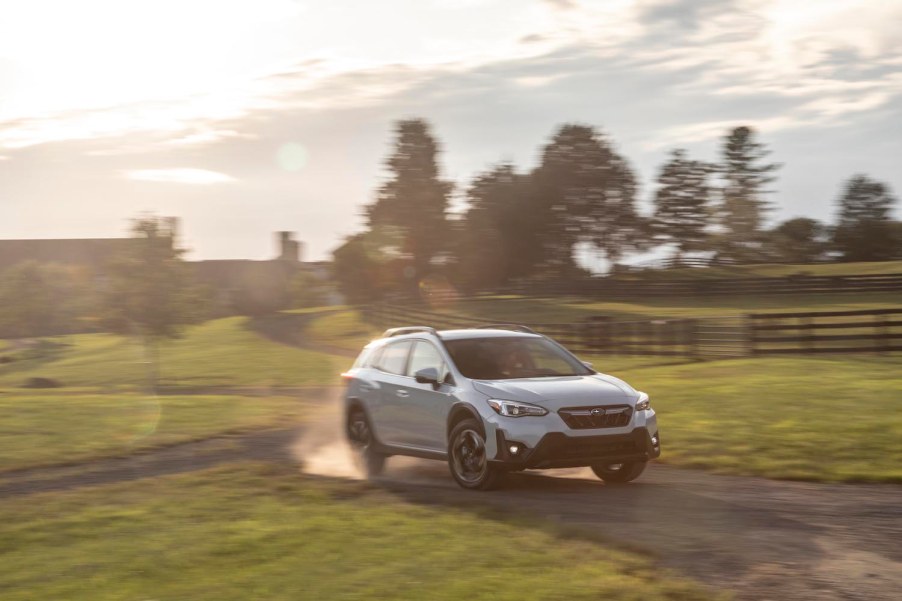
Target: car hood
{"points": [[564, 391]]}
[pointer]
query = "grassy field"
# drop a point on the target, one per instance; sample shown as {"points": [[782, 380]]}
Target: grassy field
{"points": [[220, 375], [49, 427], [219, 353], [252, 532], [829, 419], [343, 329]]}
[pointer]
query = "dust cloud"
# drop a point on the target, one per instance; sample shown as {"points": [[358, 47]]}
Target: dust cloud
{"points": [[322, 448]]}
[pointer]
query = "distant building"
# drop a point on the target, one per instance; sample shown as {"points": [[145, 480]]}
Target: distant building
{"points": [[238, 286], [94, 253], [248, 286]]}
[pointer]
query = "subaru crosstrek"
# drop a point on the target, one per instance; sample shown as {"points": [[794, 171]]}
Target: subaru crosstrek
{"points": [[491, 400]]}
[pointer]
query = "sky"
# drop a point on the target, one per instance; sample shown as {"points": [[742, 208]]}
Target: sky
{"points": [[247, 117]]}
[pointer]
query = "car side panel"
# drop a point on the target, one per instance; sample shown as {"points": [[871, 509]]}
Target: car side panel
{"points": [[427, 415]]}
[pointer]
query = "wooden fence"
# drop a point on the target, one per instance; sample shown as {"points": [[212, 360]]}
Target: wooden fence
{"points": [[796, 284], [877, 331], [865, 331], [717, 337]]}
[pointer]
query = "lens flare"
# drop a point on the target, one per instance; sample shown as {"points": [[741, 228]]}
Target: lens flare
{"points": [[141, 418], [291, 156]]}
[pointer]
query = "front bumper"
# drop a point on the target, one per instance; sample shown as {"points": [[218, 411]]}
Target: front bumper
{"points": [[556, 449]]}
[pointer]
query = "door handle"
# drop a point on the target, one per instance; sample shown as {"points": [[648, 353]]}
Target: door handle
{"points": [[403, 394]]}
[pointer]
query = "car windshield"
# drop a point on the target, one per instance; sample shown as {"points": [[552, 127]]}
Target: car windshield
{"points": [[513, 357]]}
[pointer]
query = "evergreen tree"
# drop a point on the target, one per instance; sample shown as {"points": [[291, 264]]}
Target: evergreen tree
{"points": [[745, 175], [414, 201], [682, 203], [865, 231]]}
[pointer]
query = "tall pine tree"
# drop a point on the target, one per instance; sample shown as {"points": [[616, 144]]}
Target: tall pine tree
{"points": [[745, 177], [682, 203], [414, 201]]}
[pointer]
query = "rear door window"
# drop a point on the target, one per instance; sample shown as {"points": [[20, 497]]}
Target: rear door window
{"points": [[394, 357], [375, 357], [426, 355]]}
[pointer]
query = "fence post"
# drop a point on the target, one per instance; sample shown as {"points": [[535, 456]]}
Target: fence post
{"points": [[750, 334], [596, 332], [807, 332], [691, 341], [879, 328]]}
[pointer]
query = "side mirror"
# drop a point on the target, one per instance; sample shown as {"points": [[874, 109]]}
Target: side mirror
{"points": [[588, 364], [427, 375]]}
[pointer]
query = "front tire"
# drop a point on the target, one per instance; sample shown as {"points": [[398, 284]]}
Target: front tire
{"points": [[360, 436], [467, 457], [619, 473]]}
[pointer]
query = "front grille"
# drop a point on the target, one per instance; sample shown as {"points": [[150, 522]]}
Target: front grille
{"points": [[608, 416]]}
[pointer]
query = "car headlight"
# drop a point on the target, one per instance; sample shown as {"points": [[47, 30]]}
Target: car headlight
{"points": [[643, 403], [514, 409]]}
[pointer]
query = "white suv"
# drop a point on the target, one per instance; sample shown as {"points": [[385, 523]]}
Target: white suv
{"points": [[490, 400]]}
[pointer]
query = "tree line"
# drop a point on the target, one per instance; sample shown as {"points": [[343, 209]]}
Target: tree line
{"points": [[583, 195]]}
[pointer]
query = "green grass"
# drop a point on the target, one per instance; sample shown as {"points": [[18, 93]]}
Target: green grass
{"points": [[771, 270], [828, 419], [49, 428], [249, 532], [220, 353], [103, 409], [344, 329]]}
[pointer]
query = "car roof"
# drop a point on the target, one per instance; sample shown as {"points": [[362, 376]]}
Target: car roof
{"points": [[468, 334]]}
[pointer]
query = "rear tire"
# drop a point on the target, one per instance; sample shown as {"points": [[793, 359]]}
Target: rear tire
{"points": [[360, 436], [619, 473], [467, 457]]}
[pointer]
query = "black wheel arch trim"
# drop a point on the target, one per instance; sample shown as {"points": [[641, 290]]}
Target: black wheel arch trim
{"points": [[459, 411]]}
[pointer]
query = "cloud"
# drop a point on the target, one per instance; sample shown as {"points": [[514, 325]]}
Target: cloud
{"points": [[182, 175], [206, 136], [653, 75], [561, 4]]}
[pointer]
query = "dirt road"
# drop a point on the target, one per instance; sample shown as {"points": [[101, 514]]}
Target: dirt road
{"points": [[762, 539]]}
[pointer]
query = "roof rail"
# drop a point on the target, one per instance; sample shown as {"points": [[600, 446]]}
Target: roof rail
{"points": [[408, 330], [508, 326]]}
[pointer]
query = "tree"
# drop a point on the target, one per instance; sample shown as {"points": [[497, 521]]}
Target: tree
{"points": [[799, 240], [149, 292], [307, 290], [414, 201], [367, 266], [585, 192], [745, 175], [39, 299], [865, 231], [682, 211], [499, 236]]}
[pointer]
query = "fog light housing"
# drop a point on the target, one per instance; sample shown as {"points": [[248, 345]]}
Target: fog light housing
{"points": [[515, 449], [654, 439]]}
